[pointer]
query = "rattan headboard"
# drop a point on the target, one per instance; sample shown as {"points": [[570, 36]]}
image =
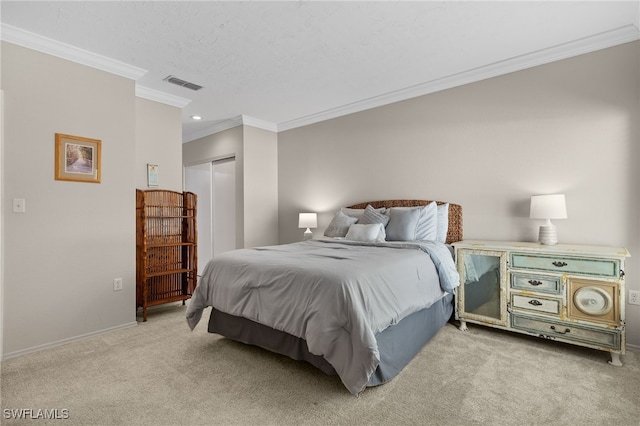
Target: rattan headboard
{"points": [[454, 233]]}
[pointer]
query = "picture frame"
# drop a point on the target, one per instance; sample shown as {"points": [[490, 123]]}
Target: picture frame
{"points": [[77, 158], [152, 175]]}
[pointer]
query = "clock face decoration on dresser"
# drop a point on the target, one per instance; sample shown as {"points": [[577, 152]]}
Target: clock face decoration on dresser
{"points": [[592, 301]]}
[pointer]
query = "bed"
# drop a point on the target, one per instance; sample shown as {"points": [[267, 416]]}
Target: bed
{"points": [[355, 306]]}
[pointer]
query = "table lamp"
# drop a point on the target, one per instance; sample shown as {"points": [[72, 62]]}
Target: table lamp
{"points": [[548, 207], [308, 220]]}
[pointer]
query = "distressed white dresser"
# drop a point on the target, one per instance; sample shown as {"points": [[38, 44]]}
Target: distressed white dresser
{"points": [[570, 293]]}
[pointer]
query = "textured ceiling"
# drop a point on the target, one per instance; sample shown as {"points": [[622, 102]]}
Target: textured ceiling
{"points": [[284, 64]]}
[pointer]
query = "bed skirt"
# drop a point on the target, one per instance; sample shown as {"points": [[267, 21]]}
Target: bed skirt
{"points": [[397, 344]]}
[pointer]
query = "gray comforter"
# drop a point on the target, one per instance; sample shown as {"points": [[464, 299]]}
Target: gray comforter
{"points": [[334, 294]]}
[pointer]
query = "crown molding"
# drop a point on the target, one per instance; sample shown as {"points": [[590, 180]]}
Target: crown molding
{"points": [[220, 126], [217, 127], [37, 42], [260, 124], [625, 34], [162, 97], [56, 48], [621, 35]]}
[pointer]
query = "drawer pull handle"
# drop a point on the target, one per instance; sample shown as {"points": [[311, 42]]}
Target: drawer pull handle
{"points": [[559, 264], [566, 330], [535, 282], [535, 302]]}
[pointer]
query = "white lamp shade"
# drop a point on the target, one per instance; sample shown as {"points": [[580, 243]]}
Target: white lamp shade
{"points": [[308, 220], [548, 207]]}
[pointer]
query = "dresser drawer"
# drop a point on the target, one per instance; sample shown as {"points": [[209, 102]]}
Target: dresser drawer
{"points": [[535, 304], [566, 264], [608, 338], [537, 283]]}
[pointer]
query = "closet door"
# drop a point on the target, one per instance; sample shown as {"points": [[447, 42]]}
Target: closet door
{"points": [[215, 184]]}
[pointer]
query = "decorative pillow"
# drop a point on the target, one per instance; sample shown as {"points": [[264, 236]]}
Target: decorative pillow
{"points": [[370, 215], [443, 223], [402, 223], [412, 223], [339, 225], [372, 232], [357, 213], [427, 229]]}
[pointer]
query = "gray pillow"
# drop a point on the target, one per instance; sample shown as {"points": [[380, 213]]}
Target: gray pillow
{"points": [[372, 216], [357, 213], [339, 225], [413, 223], [402, 224]]}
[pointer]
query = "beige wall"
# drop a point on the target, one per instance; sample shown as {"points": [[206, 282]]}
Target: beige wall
{"points": [[569, 127], [158, 141], [62, 255], [260, 187]]}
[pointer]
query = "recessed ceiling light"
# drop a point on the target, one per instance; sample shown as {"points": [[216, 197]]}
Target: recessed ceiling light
{"points": [[196, 117]]}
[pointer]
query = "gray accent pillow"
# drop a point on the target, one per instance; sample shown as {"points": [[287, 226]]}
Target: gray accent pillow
{"points": [[402, 224], [339, 225], [357, 213], [372, 216], [413, 223]]}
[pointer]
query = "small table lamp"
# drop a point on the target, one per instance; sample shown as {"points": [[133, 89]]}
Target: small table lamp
{"points": [[308, 220], [548, 207]]}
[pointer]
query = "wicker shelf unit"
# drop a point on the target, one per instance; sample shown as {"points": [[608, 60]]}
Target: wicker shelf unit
{"points": [[166, 247]]}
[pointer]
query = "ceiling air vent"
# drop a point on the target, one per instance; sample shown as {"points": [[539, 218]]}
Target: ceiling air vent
{"points": [[179, 82]]}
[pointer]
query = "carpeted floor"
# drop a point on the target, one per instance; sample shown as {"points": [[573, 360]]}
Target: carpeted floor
{"points": [[160, 373]]}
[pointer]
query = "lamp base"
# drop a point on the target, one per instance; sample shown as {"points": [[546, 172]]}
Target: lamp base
{"points": [[548, 235], [308, 235]]}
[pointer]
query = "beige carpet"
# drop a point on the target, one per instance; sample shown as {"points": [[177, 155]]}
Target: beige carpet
{"points": [[160, 373]]}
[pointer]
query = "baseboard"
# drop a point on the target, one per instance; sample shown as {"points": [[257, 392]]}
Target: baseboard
{"points": [[633, 348], [65, 341]]}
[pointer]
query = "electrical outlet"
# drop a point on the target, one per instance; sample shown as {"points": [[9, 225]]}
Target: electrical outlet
{"points": [[117, 284], [634, 297]]}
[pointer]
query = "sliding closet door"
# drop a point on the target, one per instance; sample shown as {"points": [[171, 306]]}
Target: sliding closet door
{"points": [[215, 184]]}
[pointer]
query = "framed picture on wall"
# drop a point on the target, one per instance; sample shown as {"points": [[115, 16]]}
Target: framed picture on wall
{"points": [[152, 175], [77, 158]]}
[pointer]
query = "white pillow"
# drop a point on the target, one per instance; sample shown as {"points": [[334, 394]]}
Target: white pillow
{"points": [[443, 223], [373, 232], [427, 228]]}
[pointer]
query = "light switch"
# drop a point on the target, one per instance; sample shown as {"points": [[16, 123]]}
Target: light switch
{"points": [[19, 205]]}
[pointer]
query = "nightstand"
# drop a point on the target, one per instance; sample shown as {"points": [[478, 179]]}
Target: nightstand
{"points": [[569, 293]]}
